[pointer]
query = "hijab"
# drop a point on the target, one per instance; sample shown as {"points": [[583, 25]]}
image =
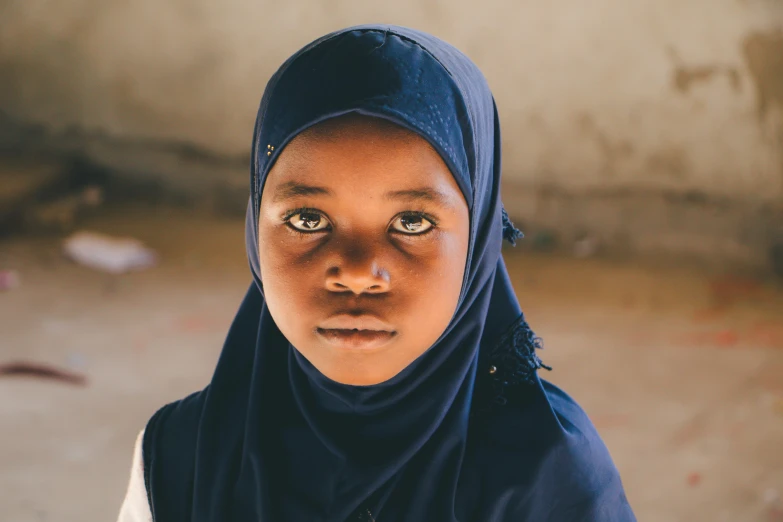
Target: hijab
{"points": [[467, 431]]}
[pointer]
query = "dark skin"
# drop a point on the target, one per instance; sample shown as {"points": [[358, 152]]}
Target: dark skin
{"points": [[363, 236]]}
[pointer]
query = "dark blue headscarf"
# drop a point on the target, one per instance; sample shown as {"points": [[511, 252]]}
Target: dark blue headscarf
{"points": [[467, 432]]}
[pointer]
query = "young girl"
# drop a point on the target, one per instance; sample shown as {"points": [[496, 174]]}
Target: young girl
{"points": [[379, 367]]}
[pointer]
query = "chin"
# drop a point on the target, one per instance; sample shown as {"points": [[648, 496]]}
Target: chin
{"points": [[357, 378], [352, 373], [352, 366]]}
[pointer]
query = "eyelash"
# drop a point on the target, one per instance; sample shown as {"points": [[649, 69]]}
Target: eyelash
{"points": [[408, 213]]}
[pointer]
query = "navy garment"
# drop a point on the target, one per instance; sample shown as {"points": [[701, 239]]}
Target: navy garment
{"points": [[467, 432]]}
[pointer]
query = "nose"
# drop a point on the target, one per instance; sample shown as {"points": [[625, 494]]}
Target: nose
{"points": [[357, 270]]}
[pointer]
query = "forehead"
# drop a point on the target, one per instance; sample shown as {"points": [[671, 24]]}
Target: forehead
{"points": [[357, 146]]}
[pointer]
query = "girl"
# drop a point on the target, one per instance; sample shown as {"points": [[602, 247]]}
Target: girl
{"points": [[379, 367]]}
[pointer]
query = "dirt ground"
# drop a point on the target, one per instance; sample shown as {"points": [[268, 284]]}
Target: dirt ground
{"points": [[680, 369]]}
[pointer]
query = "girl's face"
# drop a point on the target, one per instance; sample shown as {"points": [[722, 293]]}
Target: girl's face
{"points": [[363, 238]]}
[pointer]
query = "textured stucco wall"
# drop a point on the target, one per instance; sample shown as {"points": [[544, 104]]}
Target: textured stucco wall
{"points": [[608, 96]]}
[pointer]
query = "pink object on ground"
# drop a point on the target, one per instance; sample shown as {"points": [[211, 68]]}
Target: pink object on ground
{"points": [[9, 279]]}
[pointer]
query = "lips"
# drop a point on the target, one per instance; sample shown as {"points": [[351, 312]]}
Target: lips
{"points": [[355, 322], [355, 331]]}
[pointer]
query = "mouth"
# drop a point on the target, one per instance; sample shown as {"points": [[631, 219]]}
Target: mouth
{"points": [[355, 331], [355, 339]]}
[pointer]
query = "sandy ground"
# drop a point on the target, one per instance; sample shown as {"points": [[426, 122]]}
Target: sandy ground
{"points": [[681, 370]]}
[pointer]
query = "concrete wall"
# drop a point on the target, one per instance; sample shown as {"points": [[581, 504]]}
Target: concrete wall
{"points": [[608, 97]]}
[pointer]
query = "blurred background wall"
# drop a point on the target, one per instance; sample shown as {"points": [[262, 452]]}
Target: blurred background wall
{"points": [[648, 126]]}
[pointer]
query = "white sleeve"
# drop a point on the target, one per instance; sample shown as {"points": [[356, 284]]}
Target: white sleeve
{"points": [[136, 507]]}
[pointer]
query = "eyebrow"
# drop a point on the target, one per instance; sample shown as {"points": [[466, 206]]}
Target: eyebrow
{"points": [[421, 194], [293, 189]]}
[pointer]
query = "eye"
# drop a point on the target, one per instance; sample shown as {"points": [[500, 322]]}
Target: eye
{"points": [[307, 221], [412, 224]]}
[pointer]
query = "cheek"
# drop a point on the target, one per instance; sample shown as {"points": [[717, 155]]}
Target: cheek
{"points": [[432, 284], [288, 281], [447, 260], [282, 257]]}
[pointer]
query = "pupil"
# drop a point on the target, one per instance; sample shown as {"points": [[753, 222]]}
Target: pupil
{"points": [[412, 224], [309, 220]]}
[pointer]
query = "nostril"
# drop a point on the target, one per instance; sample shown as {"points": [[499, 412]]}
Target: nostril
{"points": [[358, 285]]}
